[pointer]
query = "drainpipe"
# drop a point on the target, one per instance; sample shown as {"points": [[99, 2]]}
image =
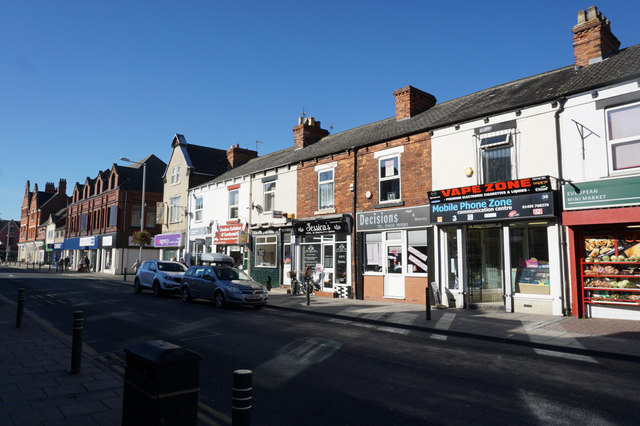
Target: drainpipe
{"points": [[564, 258], [356, 273]]}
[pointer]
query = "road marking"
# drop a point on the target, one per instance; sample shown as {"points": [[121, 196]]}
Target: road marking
{"points": [[217, 414], [444, 324], [571, 356], [293, 359]]}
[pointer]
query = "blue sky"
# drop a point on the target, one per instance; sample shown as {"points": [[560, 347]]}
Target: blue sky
{"points": [[84, 83]]}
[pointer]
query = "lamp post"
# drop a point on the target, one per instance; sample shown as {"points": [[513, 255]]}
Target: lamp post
{"points": [[144, 184]]}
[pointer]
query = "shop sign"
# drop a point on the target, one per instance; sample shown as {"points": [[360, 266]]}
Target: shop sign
{"points": [[228, 234], [494, 209], [601, 193], [321, 227], [87, 241], [494, 189], [57, 246], [199, 231], [107, 241], [167, 240], [393, 219]]}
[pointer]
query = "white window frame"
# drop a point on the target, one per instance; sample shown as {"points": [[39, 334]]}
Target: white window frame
{"points": [[320, 169], [263, 241], [269, 195], [385, 155], [613, 143], [175, 175], [199, 204], [174, 209], [234, 208], [494, 141]]}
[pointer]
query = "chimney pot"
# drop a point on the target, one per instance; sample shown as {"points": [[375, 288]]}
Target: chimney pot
{"points": [[593, 40]]}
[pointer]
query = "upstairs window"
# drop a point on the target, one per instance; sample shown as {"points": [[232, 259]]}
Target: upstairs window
{"points": [[389, 179], [175, 174], [199, 205], [325, 189], [269, 196], [496, 153], [135, 216], [623, 132], [174, 209], [234, 196]]}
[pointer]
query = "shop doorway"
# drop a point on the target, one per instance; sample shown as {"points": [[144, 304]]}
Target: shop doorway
{"points": [[485, 276]]}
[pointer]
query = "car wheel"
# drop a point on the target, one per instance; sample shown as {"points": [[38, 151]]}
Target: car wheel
{"points": [[186, 296], [136, 286], [219, 299], [156, 289]]}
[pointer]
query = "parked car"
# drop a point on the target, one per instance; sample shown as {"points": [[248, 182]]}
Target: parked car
{"points": [[159, 276], [222, 284]]}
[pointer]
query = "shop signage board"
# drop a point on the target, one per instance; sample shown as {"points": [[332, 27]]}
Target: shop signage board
{"points": [[321, 227], [413, 217], [494, 189], [228, 234], [167, 240], [531, 205], [601, 193]]}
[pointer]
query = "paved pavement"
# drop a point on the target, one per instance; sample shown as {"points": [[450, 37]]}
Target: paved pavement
{"points": [[36, 387]]}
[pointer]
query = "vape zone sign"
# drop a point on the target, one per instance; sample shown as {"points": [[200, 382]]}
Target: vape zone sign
{"points": [[509, 200]]}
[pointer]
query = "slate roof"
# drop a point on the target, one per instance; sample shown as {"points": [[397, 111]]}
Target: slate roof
{"points": [[624, 65], [131, 175], [205, 160]]}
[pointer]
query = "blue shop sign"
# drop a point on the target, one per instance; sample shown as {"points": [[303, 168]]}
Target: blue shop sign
{"points": [[81, 243]]}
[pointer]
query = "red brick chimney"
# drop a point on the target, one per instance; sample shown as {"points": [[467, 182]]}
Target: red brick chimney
{"points": [[593, 40], [307, 132], [411, 101], [237, 156], [49, 187], [62, 186]]}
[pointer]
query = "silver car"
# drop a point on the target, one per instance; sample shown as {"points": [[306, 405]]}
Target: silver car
{"points": [[160, 276], [222, 284]]}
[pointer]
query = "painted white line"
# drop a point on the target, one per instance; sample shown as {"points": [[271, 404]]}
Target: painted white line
{"points": [[575, 357]]}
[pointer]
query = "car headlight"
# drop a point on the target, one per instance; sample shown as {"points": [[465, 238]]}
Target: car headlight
{"points": [[233, 289]]}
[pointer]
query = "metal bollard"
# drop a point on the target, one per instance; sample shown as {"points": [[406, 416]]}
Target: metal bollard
{"points": [[125, 274], [428, 299], [20, 308], [242, 398], [76, 342]]}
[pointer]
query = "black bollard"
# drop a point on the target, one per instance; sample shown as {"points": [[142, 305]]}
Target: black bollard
{"points": [[242, 398], [76, 342], [125, 274], [428, 299], [20, 308]]}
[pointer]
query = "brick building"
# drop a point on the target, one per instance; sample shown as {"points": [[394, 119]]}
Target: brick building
{"points": [[105, 211]]}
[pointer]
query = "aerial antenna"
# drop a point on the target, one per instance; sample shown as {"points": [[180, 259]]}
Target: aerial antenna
{"points": [[331, 127], [257, 142], [303, 114]]}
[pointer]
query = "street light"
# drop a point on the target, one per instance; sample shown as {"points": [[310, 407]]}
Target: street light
{"points": [[144, 181]]}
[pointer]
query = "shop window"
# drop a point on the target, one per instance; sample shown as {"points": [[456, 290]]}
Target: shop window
{"points": [[174, 209], [234, 195], [266, 251], [453, 282], [389, 179], [417, 251], [325, 189], [199, 206], [269, 196], [372, 254], [623, 132], [529, 257], [496, 153]]}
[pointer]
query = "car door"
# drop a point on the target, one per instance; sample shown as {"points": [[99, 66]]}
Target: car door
{"points": [[196, 283], [207, 282], [144, 274]]}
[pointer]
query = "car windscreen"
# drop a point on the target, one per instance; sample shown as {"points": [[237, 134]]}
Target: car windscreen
{"points": [[171, 267], [230, 274]]}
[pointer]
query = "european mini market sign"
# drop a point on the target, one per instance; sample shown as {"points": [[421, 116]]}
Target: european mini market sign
{"points": [[601, 193]]}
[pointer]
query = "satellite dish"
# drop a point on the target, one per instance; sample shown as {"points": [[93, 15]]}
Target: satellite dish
{"points": [[258, 208]]}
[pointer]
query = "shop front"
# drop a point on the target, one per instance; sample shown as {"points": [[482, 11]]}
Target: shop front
{"points": [[271, 259], [603, 227], [79, 247], [499, 245], [395, 245], [231, 239], [169, 245], [323, 245]]}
